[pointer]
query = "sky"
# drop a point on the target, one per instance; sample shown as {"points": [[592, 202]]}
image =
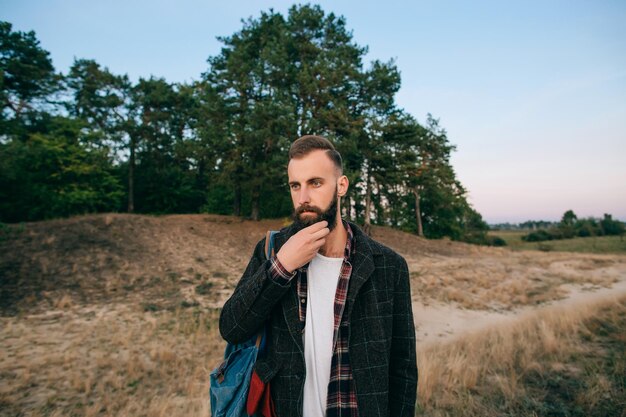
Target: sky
{"points": [[531, 93]]}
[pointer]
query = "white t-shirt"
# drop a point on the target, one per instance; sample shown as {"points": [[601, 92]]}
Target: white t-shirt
{"points": [[322, 278]]}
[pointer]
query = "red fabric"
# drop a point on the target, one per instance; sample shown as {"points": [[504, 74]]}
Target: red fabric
{"points": [[259, 398]]}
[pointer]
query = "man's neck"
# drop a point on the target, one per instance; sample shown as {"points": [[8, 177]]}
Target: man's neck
{"points": [[335, 241]]}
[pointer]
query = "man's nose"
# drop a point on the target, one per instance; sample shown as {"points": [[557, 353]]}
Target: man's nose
{"points": [[304, 196]]}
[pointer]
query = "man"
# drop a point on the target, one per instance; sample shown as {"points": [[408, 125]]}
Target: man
{"points": [[336, 305]]}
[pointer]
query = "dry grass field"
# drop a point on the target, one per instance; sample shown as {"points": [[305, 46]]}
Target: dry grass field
{"points": [[115, 315], [117, 361], [553, 362]]}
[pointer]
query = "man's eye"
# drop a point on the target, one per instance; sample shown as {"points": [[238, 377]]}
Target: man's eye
{"points": [[294, 186], [317, 183]]}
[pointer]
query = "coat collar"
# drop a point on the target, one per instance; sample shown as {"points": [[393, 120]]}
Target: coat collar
{"points": [[363, 266]]}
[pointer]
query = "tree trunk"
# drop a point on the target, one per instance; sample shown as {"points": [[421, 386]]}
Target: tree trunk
{"points": [[418, 213], [380, 209], [131, 176], [237, 200], [367, 227], [256, 196]]}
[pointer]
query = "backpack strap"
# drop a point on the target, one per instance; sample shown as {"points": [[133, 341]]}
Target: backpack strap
{"points": [[269, 252], [269, 243]]}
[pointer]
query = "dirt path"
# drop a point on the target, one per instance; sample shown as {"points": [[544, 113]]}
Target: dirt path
{"points": [[438, 322]]}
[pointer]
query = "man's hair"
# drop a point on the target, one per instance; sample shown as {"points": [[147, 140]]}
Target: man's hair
{"points": [[306, 144]]}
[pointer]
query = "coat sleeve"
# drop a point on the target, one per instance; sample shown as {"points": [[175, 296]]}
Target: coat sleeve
{"points": [[403, 361], [256, 294]]}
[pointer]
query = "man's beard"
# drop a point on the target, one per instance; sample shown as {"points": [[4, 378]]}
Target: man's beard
{"points": [[330, 215]]}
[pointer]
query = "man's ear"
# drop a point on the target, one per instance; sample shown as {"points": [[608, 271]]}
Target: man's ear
{"points": [[342, 185]]}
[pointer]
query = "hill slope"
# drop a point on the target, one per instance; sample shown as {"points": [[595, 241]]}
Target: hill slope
{"points": [[111, 256], [169, 261]]}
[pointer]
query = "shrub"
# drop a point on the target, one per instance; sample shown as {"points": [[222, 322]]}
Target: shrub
{"points": [[538, 236], [497, 241], [612, 227]]}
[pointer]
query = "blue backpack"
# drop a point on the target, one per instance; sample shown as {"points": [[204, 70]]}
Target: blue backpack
{"points": [[230, 381]]}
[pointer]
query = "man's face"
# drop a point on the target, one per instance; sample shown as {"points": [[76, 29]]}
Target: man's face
{"points": [[313, 184]]}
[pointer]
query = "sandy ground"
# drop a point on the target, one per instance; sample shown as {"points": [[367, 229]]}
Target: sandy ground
{"points": [[438, 322]]}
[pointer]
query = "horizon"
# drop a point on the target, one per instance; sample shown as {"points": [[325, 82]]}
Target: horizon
{"points": [[535, 103]]}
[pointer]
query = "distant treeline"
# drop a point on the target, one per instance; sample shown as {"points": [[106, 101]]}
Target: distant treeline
{"points": [[93, 141], [571, 226], [527, 225]]}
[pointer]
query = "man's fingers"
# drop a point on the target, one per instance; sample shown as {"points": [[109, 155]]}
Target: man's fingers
{"points": [[319, 243], [316, 226], [320, 233]]}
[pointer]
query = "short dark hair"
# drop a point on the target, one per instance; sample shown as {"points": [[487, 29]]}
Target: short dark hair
{"points": [[305, 144]]}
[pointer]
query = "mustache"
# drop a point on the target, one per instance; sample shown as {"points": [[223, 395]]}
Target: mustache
{"points": [[313, 209]]}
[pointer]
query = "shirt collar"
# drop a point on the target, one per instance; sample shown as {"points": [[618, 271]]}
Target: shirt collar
{"points": [[347, 254]]}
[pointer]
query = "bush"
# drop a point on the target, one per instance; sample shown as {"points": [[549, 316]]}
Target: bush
{"points": [[563, 232], [497, 241], [587, 227], [538, 236], [612, 227]]}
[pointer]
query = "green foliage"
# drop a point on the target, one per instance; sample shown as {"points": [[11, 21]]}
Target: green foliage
{"points": [[51, 174], [26, 73], [164, 178], [538, 236], [568, 219], [496, 241], [610, 227]]}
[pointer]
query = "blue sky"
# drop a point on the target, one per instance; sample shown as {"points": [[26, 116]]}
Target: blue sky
{"points": [[532, 93]]}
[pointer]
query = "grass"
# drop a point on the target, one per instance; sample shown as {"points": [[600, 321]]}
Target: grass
{"points": [[510, 279], [597, 244], [120, 361], [554, 362], [108, 362]]}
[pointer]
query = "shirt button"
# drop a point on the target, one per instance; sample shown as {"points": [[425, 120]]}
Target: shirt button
{"points": [[303, 300]]}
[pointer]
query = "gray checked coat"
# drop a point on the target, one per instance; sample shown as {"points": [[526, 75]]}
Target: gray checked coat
{"points": [[381, 335]]}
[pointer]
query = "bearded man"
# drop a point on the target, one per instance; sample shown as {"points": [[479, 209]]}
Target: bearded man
{"points": [[336, 305]]}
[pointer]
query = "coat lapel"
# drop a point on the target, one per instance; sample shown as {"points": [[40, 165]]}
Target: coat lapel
{"points": [[290, 301], [362, 264]]}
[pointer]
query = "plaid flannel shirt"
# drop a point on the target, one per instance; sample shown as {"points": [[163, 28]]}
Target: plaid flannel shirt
{"points": [[341, 400]]}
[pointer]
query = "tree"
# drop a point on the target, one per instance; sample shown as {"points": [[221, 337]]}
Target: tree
{"points": [[27, 76], [248, 76], [165, 180], [104, 101], [566, 226], [425, 164], [568, 219], [377, 111], [612, 227], [281, 78]]}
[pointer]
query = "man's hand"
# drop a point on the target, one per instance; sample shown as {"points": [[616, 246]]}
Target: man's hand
{"points": [[302, 247]]}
